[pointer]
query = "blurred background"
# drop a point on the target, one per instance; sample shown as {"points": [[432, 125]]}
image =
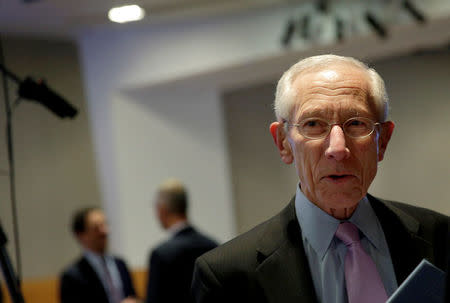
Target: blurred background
{"points": [[187, 92]]}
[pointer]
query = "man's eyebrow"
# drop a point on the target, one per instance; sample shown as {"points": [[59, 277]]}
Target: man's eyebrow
{"points": [[316, 112], [323, 113]]}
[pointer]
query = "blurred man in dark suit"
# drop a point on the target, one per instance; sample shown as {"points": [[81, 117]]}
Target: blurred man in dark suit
{"points": [[171, 264], [96, 277]]}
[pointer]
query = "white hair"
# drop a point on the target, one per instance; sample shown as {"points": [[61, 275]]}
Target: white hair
{"points": [[286, 95]]}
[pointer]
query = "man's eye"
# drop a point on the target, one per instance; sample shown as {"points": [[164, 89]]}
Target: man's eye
{"points": [[356, 123], [312, 124]]}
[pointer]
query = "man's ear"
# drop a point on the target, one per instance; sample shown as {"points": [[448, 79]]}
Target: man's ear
{"points": [[280, 139], [387, 128]]}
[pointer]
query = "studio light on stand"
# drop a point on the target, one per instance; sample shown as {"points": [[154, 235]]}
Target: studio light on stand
{"points": [[39, 92], [8, 271]]}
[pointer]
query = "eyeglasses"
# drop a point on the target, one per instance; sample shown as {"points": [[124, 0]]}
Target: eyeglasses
{"points": [[317, 128]]}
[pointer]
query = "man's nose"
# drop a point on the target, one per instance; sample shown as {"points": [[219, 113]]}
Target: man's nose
{"points": [[337, 148]]}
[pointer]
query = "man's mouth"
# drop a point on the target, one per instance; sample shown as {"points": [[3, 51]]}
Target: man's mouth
{"points": [[336, 177], [339, 178]]}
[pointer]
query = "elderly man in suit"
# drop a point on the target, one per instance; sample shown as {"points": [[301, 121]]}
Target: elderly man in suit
{"points": [[97, 276], [171, 264], [333, 242]]}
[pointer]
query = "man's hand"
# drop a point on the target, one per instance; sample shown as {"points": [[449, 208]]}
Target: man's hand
{"points": [[131, 300]]}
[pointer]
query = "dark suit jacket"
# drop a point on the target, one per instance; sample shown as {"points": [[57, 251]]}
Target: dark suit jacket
{"points": [[80, 283], [172, 265], [269, 264]]}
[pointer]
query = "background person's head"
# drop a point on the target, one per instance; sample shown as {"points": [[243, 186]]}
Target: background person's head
{"points": [[171, 203], [91, 229], [335, 170]]}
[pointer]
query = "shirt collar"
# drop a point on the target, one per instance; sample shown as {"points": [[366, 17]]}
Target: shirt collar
{"points": [[367, 222], [93, 258], [319, 228], [177, 227]]}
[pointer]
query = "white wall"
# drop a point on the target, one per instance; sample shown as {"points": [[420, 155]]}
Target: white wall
{"points": [[162, 135], [154, 100], [416, 168]]}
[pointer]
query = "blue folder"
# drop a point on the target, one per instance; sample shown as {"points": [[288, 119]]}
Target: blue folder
{"points": [[426, 284]]}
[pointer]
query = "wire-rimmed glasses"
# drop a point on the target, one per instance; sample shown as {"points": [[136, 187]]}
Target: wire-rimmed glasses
{"points": [[318, 128]]}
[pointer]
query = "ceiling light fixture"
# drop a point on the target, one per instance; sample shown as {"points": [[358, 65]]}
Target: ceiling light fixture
{"points": [[419, 16], [126, 13], [376, 25]]}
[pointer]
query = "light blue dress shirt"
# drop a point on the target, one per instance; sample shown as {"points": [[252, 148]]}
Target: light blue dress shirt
{"points": [[326, 253], [95, 261]]}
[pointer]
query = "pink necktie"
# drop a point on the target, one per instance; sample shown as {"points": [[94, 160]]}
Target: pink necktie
{"points": [[362, 279]]}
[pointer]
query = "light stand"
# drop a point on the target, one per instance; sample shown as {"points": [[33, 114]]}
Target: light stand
{"points": [[13, 281], [8, 271], [41, 93]]}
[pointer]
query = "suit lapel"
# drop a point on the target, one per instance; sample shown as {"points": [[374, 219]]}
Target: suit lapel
{"points": [[406, 247], [282, 258], [283, 269], [93, 278]]}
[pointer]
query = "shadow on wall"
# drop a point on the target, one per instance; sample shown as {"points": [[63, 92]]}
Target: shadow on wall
{"points": [[262, 183]]}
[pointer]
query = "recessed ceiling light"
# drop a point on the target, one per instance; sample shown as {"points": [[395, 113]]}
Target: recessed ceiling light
{"points": [[126, 13]]}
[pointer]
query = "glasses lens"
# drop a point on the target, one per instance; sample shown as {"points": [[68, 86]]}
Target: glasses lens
{"points": [[314, 128], [358, 127]]}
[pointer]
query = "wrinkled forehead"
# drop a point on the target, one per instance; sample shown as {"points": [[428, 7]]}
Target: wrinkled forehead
{"points": [[345, 82], [334, 75]]}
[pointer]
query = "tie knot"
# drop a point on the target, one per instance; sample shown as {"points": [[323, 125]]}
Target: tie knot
{"points": [[348, 233]]}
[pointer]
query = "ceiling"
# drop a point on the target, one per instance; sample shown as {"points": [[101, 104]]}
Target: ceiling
{"points": [[64, 18]]}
